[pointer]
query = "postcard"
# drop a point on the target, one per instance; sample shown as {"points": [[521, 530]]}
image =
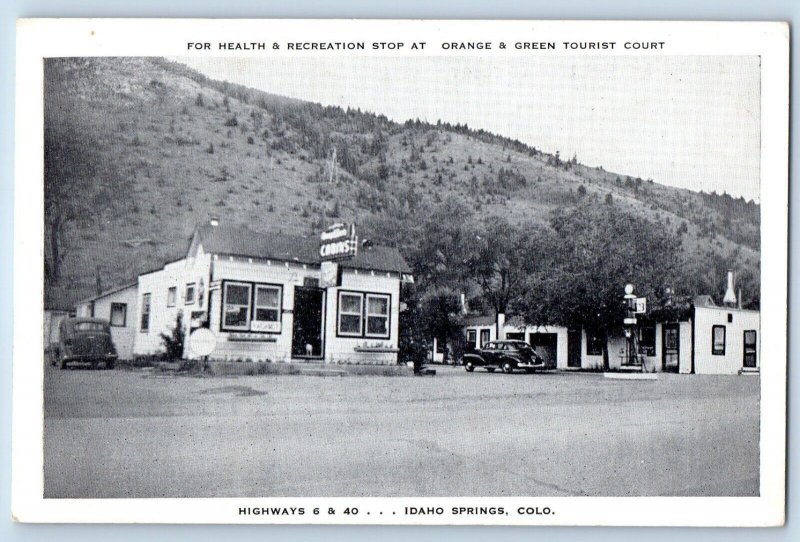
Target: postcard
{"points": [[400, 272]]}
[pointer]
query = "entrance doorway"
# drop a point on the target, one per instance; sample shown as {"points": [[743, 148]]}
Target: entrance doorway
{"points": [[750, 360], [574, 348], [546, 345], [309, 323], [670, 357]]}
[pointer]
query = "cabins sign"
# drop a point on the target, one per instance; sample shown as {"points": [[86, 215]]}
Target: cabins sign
{"points": [[338, 242]]}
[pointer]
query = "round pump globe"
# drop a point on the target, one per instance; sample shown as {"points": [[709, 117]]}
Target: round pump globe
{"points": [[629, 288]]}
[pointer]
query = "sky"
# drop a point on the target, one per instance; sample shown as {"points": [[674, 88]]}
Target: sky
{"points": [[689, 121]]}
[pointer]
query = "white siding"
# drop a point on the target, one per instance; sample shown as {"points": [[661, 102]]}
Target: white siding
{"points": [[342, 349], [123, 336], [162, 317], [705, 362], [275, 346]]}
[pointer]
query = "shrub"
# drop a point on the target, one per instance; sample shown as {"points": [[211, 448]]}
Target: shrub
{"points": [[173, 343]]}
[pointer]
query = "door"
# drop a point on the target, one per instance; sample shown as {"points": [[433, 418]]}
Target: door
{"points": [[546, 345], [574, 348], [309, 323], [750, 353], [484, 337], [472, 337], [670, 357]]}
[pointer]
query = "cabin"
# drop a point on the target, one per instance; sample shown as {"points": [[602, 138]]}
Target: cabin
{"points": [[271, 297]]}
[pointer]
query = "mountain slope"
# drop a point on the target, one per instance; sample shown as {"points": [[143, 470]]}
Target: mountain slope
{"points": [[139, 150]]}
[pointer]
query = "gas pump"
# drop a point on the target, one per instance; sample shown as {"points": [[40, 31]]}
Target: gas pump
{"points": [[629, 324]]}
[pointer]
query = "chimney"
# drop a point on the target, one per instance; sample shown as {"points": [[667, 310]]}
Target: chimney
{"points": [[501, 322], [464, 304], [730, 294], [214, 221], [740, 298]]}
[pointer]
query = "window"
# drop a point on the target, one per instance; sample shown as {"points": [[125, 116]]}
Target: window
{"points": [[172, 293], [189, 297], [350, 313], [377, 316], [236, 307], [89, 326], [484, 337], [267, 309], [119, 314], [718, 340], [594, 343], [647, 340], [145, 323]]}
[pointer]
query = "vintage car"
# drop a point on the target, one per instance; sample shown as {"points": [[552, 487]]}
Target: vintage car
{"points": [[85, 340], [504, 355]]}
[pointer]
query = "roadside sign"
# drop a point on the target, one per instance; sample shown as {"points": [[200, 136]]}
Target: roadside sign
{"points": [[202, 342], [338, 242], [329, 275], [641, 305]]}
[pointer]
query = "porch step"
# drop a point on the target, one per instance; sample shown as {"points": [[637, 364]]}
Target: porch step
{"points": [[318, 371], [631, 376]]}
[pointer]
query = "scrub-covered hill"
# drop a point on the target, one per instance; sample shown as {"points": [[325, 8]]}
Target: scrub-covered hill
{"points": [[139, 150]]}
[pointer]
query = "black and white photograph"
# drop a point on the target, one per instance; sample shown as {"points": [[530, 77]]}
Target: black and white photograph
{"points": [[312, 268]]}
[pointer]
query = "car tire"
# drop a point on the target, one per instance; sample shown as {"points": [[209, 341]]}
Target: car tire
{"points": [[110, 364], [529, 371], [508, 368], [94, 366], [490, 369], [63, 364], [469, 367]]}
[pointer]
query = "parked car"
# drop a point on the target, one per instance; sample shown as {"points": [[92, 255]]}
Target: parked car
{"points": [[84, 340], [504, 355]]}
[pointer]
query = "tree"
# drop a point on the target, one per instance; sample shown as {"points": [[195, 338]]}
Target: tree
{"points": [[72, 165], [597, 253], [502, 259], [442, 317]]}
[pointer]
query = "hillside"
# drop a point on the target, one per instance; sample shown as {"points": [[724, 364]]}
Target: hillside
{"points": [[139, 150]]}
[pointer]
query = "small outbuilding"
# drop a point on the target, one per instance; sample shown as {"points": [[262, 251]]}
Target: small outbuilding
{"points": [[118, 306]]}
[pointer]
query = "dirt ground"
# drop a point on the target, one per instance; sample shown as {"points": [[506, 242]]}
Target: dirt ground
{"points": [[140, 434]]}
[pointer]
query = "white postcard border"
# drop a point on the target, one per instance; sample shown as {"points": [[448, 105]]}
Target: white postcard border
{"points": [[41, 38]]}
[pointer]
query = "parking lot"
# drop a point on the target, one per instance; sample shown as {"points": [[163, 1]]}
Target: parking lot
{"points": [[143, 434]]}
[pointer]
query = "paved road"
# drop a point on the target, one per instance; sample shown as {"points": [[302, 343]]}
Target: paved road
{"points": [[138, 434]]}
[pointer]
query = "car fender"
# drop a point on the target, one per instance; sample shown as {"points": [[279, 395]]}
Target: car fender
{"points": [[474, 358], [511, 359]]}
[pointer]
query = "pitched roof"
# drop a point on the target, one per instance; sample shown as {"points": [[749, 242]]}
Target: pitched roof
{"points": [[704, 301], [110, 291], [238, 241]]}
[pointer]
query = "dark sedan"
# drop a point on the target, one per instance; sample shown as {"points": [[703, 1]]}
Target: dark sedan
{"points": [[84, 340], [504, 355]]}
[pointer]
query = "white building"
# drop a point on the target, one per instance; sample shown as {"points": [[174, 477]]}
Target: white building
{"points": [[726, 340], [260, 295], [710, 339], [118, 306]]}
